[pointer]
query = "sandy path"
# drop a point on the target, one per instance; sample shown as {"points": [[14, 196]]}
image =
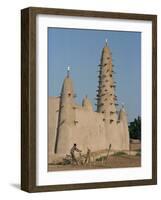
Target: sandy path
{"points": [[112, 162]]}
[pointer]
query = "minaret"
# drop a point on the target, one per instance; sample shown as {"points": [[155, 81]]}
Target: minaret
{"points": [[123, 121], [66, 115], [106, 98], [87, 104]]}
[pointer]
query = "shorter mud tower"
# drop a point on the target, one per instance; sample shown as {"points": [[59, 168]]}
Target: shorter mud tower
{"points": [[82, 125]]}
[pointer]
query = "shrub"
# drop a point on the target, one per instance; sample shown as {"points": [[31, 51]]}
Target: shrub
{"points": [[101, 158], [119, 153]]}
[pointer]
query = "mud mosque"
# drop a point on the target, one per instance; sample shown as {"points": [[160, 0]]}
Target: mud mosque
{"points": [[71, 123]]}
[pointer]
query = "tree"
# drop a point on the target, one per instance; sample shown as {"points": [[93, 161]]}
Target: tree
{"points": [[135, 128]]}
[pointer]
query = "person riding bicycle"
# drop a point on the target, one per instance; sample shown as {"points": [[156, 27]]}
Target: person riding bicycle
{"points": [[72, 152]]}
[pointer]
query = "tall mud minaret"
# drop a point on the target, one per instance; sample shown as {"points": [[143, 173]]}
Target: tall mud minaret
{"points": [[66, 115], [106, 98]]}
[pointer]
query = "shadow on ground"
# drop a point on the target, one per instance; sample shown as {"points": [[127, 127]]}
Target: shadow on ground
{"points": [[15, 185]]}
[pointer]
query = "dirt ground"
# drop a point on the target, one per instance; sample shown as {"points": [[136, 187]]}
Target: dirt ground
{"points": [[123, 161]]}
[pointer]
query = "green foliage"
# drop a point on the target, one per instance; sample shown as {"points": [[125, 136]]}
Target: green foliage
{"points": [[101, 158], [138, 154], [119, 153], [135, 128]]}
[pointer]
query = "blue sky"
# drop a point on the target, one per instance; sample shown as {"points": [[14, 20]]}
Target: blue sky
{"points": [[81, 49]]}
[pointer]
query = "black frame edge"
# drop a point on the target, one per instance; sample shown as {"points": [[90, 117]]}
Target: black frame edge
{"points": [[24, 99]]}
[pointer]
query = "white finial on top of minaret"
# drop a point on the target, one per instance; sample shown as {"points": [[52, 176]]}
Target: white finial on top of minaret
{"points": [[123, 106], [106, 41], [68, 70]]}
